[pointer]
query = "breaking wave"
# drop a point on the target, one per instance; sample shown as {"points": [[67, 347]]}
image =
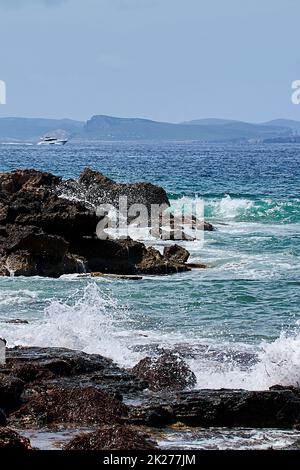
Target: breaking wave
{"points": [[94, 322], [236, 209]]}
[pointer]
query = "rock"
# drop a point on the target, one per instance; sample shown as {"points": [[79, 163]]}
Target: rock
{"points": [[11, 389], [2, 418], [196, 265], [70, 406], [223, 408], [110, 256], [66, 368], [178, 223], [11, 440], [95, 189], [176, 254], [32, 239], [208, 227], [27, 180], [28, 197], [43, 234], [21, 264], [17, 321], [167, 371], [155, 263], [124, 257], [125, 277], [115, 437]]}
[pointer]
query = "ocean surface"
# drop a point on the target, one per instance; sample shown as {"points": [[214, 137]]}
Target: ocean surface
{"points": [[237, 322]]}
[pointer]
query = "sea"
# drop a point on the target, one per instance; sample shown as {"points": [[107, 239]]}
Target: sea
{"points": [[236, 323]]}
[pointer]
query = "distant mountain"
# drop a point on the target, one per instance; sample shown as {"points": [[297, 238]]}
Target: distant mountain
{"points": [[289, 123], [101, 127], [113, 128], [208, 122], [30, 129]]}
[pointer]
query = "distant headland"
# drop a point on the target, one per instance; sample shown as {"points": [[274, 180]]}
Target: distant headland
{"points": [[110, 128]]}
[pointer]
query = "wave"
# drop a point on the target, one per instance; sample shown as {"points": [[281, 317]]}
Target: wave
{"points": [[277, 363], [236, 209], [94, 322], [19, 297]]}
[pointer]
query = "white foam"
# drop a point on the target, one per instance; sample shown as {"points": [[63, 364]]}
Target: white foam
{"points": [[92, 323], [278, 364], [8, 297]]}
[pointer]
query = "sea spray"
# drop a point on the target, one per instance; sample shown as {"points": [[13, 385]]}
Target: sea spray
{"points": [[230, 208], [278, 363], [91, 323]]}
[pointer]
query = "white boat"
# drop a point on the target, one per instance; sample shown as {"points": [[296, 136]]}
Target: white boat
{"points": [[52, 141]]}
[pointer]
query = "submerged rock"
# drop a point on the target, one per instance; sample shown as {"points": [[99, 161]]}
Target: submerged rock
{"points": [[11, 440], [115, 437], [167, 371]]}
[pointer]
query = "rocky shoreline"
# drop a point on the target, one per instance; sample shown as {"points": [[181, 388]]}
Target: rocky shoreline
{"points": [[48, 227], [57, 389]]}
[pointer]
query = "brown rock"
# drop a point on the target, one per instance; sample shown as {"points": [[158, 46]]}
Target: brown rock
{"points": [[72, 406], [11, 440], [167, 371], [113, 437], [11, 389], [176, 254]]}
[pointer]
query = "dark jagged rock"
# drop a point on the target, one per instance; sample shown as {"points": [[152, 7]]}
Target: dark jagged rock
{"points": [[42, 233], [11, 389], [28, 197], [27, 180], [223, 408], [116, 437], [165, 372], [11, 440], [176, 254], [155, 263], [95, 189], [70, 406], [66, 368]]}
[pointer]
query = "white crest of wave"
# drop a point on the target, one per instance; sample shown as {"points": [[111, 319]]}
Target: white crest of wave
{"points": [[229, 208], [19, 297], [278, 364], [92, 323]]}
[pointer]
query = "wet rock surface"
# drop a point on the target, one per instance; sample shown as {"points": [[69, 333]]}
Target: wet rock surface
{"points": [[223, 408], [167, 371], [114, 437], [57, 388], [11, 389], [11, 440], [44, 233], [94, 189]]}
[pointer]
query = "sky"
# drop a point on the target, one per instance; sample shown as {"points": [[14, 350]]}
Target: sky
{"points": [[167, 60]]}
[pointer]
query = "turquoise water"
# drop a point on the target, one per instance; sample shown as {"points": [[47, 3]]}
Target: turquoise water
{"points": [[235, 322]]}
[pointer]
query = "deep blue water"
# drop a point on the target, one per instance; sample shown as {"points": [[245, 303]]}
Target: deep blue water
{"points": [[250, 292]]}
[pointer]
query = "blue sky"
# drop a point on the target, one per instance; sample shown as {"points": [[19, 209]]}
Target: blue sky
{"points": [[168, 60]]}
